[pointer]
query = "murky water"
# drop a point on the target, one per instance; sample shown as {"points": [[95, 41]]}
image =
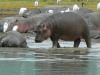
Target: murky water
{"points": [[41, 59]]}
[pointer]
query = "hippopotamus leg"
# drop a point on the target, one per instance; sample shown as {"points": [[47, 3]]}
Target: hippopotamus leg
{"points": [[77, 42], [55, 43], [88, 41]]}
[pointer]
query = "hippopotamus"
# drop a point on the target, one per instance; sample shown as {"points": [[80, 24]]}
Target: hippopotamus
{"points": [[94, 19], [83, 10], [57, 8], [93, 22], [8, 20], [30, 13], [28, 24], [13, 39], [67, 26]]}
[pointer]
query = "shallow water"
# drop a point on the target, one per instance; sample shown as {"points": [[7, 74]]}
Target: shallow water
{"points": [[41, 59]]}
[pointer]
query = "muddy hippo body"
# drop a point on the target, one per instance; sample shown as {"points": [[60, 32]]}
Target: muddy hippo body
{"points": [[27, 24], [82, 10], [12, 39], [66, 26], [8, 20], [57, 8], [31, 13], [93, 20]]}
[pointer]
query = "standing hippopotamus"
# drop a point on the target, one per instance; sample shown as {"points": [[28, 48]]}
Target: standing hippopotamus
{"points": [[66, 26], [12, 39]]}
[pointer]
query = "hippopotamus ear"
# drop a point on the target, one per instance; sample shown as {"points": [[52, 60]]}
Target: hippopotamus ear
{"points": [[44, 26]]}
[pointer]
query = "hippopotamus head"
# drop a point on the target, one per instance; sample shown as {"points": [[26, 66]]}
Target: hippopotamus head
{"points": [[43, 32]]}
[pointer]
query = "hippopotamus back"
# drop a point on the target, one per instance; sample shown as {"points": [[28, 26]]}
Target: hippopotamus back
{"points": [[13, 39]]}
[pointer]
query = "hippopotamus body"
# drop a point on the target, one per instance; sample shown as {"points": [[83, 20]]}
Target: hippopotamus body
{"points": [[12, 39], [93, 20], [27, 24], [66, 26], [8, 20], [83, 10], [30, 13], [57, 8]]}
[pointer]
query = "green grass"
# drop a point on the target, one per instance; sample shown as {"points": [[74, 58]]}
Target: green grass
{"points": [[17, 4]]}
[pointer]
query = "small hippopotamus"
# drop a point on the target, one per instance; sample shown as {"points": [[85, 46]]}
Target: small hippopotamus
{"points": [[67, 26], [13, 39]]}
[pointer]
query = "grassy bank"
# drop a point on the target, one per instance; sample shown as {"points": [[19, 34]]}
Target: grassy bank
{"points": [[17, 4]]}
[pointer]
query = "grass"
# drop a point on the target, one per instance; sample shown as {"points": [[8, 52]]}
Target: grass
{"points": [[17, 4]]}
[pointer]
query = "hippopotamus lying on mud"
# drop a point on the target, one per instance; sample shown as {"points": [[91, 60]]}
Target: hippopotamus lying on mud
{"points": [[93, 20], [12, 39], [8, 20], [56, 9], [66, 26], [27, 24]]}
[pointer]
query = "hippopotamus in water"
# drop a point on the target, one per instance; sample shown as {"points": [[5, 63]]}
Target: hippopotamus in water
{"points": [[13, 39], [65, 26]]}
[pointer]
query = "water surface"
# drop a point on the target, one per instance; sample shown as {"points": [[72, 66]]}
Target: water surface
{"points": [[41, 59]]}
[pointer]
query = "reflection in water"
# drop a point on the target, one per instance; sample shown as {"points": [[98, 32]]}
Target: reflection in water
{"points": [[55, 62], [65, 61]]}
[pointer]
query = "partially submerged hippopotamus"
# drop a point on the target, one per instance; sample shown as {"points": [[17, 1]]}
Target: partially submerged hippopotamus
{"points": [[12, 39], [65, 26]]}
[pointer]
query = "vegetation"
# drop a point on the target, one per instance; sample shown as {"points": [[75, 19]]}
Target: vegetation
{"points": [[17, 4]]}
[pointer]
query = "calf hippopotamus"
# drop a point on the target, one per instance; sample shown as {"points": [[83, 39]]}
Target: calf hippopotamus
{"points": [[12, 39], [67, 26]]}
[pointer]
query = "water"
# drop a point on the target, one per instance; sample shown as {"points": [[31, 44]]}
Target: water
{"points": [[41, 59]]}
